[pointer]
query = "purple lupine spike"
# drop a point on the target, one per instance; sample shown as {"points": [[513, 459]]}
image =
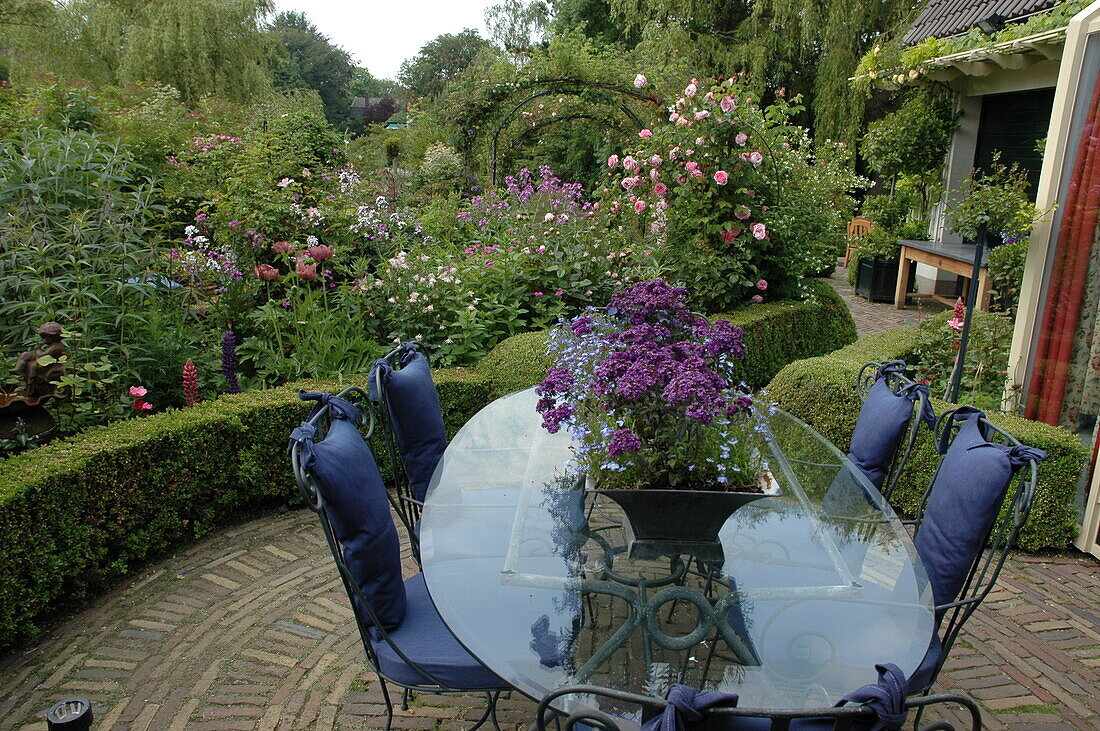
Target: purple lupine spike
{"points": [[230, 364]]}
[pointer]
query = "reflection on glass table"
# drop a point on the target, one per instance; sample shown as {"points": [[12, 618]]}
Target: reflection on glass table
{"points": [[818, 584]]}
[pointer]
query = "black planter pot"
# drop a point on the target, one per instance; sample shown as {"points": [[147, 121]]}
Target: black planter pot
{"points": [[677, 522], [877, 279]]}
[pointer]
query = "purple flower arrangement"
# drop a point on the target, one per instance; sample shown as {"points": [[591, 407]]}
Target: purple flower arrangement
{"points": [[646, 389]]}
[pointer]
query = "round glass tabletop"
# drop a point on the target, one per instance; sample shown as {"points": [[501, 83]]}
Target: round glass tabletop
{"points": [[534, 575]]}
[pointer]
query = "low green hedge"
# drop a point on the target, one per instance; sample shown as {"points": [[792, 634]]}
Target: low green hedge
{"points": [[775, 334], [822, 392], [79, 514]]}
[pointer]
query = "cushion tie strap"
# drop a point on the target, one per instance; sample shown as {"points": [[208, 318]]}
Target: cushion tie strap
{"points": [[1021, 454], [894, 366], [886, 697], [337, 407], [913, 392], [685, 707], [303, 435], [382, 369]]}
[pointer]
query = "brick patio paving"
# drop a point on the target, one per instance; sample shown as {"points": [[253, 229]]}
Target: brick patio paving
{"points": [[250, 629]]}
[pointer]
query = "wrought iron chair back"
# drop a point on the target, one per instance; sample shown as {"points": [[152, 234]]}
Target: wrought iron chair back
{"points": [[999, 540], [409, 508], [724, 717], [366, 619], [896, 381]]}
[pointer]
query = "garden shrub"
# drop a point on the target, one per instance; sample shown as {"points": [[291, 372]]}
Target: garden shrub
{"points": [[822, 392], [775, 334]]}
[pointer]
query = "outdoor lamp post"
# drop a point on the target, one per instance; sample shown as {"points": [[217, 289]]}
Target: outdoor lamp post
{"points": [[971, 298]]}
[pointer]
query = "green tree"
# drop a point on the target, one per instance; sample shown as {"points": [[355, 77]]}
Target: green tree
{"points": [[516, 26], [311, 61], [365, 84], [441, 60]]}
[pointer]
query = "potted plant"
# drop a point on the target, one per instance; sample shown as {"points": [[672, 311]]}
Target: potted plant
{"points": [[877, 273], [646, 389]]}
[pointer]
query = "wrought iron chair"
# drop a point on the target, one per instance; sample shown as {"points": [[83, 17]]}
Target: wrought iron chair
{"points": [[412, 429], [963, 557], [889, 421], [405, 640], [720, 714]]}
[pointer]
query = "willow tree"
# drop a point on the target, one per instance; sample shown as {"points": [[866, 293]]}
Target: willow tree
{"points": [[805, 46]]}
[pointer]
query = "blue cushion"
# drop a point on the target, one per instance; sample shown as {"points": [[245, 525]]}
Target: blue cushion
{"points": [[357, 507], [879, 429], [417, 419], [921, 678], [966, 496], [425, 640]]}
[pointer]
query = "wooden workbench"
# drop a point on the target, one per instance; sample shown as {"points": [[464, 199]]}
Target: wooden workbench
{"points": [[955, 258]]}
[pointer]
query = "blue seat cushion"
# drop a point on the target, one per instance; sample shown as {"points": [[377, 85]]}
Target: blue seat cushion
{"points": [[966, 496], [356, 505], [417, 420], [921, 678], [879, 429], [425, 639]]}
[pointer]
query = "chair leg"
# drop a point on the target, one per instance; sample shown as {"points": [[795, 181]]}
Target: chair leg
{"points": [[389, 703], [405, 699], [490, 711]]}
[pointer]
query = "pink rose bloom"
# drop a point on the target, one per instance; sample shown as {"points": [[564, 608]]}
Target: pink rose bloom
{"points": [[615, 206], [639, 206], [640, 81], [138, 391], [654, 174], [645, 133], [655, 160], [709, 97], [759, 231], [728, 236], [727, 104], [757, 299], [700, 141], [660, 189], [630, 163], [762, 284], [721, 177], [282, 247], [628, 183], [307, 272], [690, 90], [742, 138], [742, 212], [701, 114], [612, 161], [756, 158], [691, 166], [673, 117], [683, 121], [142, 406], [662, 205]]}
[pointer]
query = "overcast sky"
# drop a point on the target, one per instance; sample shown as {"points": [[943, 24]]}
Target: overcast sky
{"points": [[380, 34]]}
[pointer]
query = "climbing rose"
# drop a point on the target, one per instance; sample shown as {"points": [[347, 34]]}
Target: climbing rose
{"points": [[612, 161], [757, 299], [759, 231], [728, 104], [728, 236], [645, 133], [762, 284], [138, 391], [630, 163], [640, 81], [690, 90], [639, 206], [660, 189], [742, 138], [721, 177], [756, 158], [628, 183]]}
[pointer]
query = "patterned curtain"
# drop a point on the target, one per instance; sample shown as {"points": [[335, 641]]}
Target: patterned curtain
{"points": [[1065, 362]]}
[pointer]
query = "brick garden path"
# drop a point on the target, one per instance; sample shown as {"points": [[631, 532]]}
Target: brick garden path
{"points": [[250, 629]]}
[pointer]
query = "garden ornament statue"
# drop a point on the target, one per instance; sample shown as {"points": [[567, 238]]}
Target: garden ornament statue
{"points": [[23, 413], [38, 376]]}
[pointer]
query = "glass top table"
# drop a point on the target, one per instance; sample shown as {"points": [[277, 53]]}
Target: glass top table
{"points": [[531, 574]]}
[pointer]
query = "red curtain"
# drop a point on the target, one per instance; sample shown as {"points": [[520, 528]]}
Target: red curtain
{"points": [[1066, 283]]}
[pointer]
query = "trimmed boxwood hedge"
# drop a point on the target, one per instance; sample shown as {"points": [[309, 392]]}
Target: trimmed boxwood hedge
{"points": [[775, 334], [79, 514], [822, 392]]}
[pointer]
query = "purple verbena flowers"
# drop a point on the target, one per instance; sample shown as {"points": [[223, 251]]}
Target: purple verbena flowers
{"points": [[646, 389]]}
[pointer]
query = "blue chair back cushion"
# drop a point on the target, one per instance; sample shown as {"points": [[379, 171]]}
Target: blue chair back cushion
{"points": [[425, 639], [417, 419], [966, 496], [356, 504], [879, 429]]}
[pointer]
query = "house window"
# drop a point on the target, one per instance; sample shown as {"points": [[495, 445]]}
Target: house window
{"points": [[1013, 124]]}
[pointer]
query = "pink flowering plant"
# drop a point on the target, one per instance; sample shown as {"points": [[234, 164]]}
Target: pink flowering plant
{"points": [[646, 389], [726, 177]]}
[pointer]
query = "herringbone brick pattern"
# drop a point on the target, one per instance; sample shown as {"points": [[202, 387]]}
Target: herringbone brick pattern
{"points": [[251, 629]]}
